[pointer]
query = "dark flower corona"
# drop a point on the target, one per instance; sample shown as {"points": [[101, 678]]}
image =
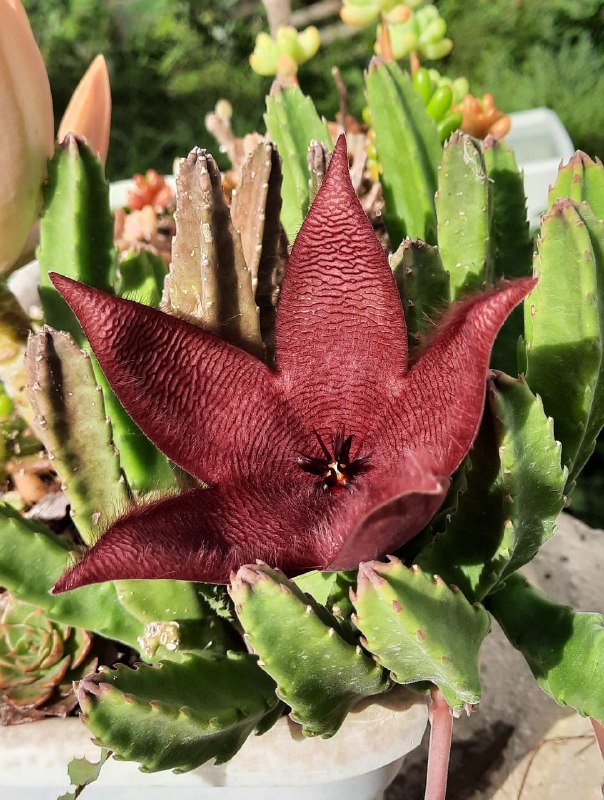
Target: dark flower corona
{"points": [[339, 455]]}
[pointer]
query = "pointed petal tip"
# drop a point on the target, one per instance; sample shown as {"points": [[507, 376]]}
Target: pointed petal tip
{"points": [[339, 158], [59, 280], [69, 289], [520, 285], [66, 583], [341, 145]]}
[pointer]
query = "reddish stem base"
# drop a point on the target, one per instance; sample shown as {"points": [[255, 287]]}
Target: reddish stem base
{"points": [[441, 724]]}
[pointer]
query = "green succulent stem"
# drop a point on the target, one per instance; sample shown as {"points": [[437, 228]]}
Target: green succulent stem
{"points": [[14, 330], [563, 648]]}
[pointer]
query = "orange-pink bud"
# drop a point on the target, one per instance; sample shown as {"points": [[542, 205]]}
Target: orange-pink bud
{"points": [[27, 130], [88, 114]]}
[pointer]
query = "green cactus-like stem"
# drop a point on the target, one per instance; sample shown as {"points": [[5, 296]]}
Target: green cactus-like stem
{"points": [[76, 230], [76, 239], [420, 629], [581, 180], [463, 211], [409, 150], [255, 207], [14, 329], [141, 277], [178, 715], [510, 241], [564, 325], [255, 211], [146, 468], [177, 618], [513, 496], [332, 590], [328, 674], [209, 283], [69, 418], [292, 123], [423, 284], [563, 648]]}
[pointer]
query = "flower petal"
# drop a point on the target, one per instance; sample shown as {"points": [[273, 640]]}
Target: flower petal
{"points": [[386, 511], [209, 406], [443, 395], [205, 533], [340, 330]]}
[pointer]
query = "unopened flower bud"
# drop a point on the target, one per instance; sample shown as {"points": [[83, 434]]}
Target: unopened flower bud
{"points": [[27, 136], [88, 114]]}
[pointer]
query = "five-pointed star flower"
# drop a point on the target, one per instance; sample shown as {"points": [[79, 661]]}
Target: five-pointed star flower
{"points": [[338, 455]]}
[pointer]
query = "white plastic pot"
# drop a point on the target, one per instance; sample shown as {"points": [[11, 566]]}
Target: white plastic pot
{"points": [[358, 763], [540, 142]]}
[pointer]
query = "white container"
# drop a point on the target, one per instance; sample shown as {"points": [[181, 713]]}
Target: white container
{"points": [[358, 763], [540, 142]]}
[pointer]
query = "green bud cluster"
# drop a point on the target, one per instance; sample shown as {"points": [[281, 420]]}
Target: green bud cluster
{"points": [[360, 13], [283, 55], [423, 33]]}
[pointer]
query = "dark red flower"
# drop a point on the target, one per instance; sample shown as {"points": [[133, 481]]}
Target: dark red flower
{"points": [[339, 455]]}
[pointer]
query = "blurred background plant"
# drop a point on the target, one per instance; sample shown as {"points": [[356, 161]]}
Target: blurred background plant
{"points": [[171, 60]]}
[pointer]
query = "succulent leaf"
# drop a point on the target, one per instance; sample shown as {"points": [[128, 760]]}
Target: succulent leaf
{"points": [[409, 150], [69, 418], [39, 659], [564, 324], [563, 648], [514, 493], [511, 242], [420, 629], [292, 124], [463, 210], [178, 715], [423, 284], [209, 283], [328, 674], [82, 773]]}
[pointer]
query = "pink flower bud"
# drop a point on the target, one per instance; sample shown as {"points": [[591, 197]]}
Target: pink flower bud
{"points": [[88, 114], [27, 130]]}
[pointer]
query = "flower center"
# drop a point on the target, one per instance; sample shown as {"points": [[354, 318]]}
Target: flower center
{"points": [[335, 468]]}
